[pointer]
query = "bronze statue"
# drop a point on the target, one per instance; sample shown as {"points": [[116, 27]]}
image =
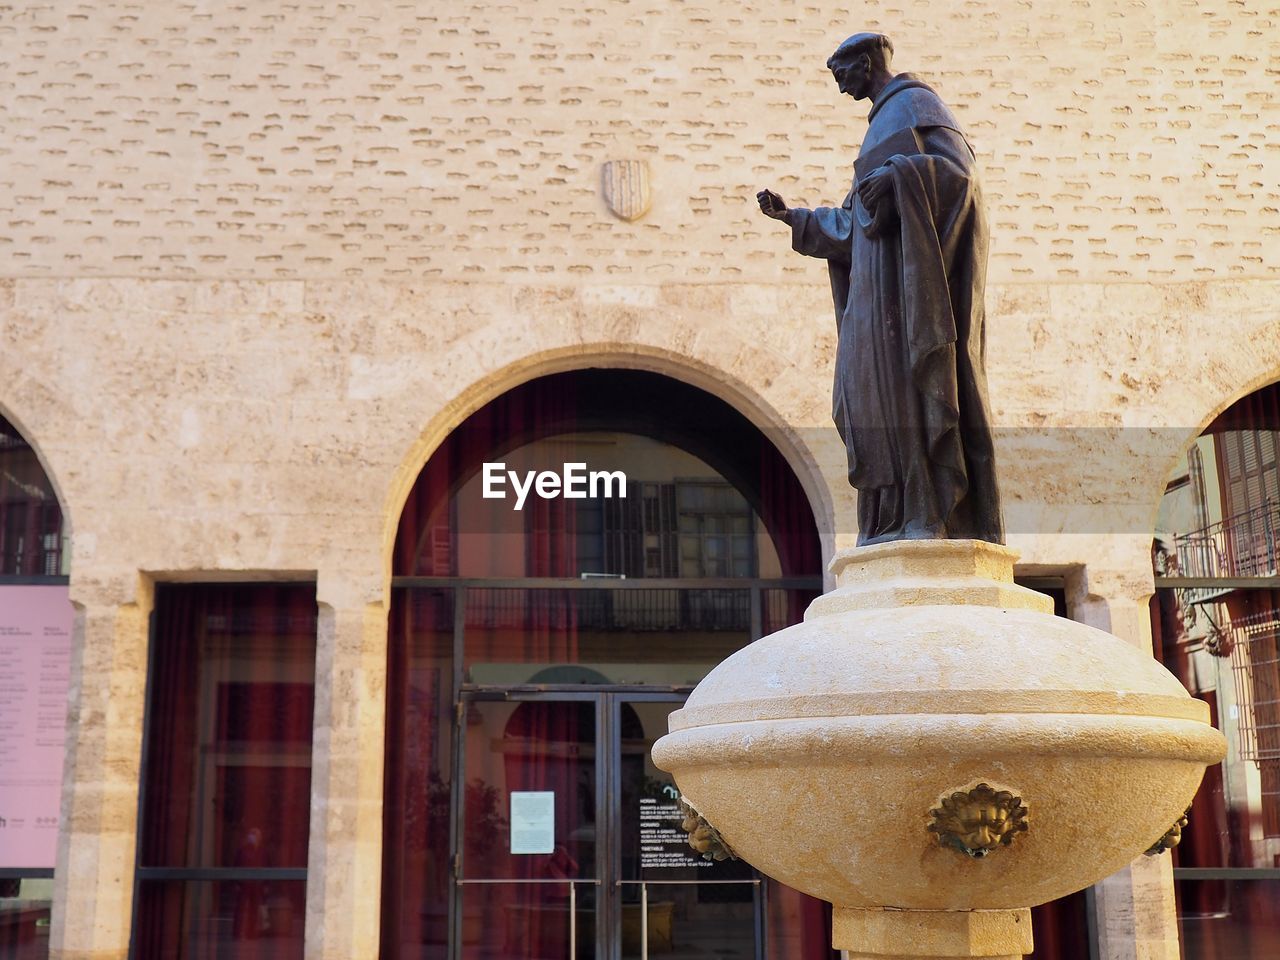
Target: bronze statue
{"points": [[907, 254]]}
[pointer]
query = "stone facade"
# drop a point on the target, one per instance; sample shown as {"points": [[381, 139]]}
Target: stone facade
{"points": [[402, 141], [257, 261]]}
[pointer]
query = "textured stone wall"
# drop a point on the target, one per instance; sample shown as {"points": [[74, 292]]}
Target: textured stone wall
{"points": [[1121, 139], [276, 425]]}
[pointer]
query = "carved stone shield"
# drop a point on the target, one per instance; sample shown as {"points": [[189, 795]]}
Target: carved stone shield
{"points": [[626, 188]]}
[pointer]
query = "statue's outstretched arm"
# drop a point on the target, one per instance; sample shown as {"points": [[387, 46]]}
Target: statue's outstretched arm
{"points": [[824, 232]]}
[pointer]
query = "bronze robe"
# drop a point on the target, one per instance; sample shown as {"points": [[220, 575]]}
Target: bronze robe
{"points": [[910, 397]]}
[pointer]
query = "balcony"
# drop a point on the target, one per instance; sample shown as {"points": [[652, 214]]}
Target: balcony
{"points": [[1242, 546]]}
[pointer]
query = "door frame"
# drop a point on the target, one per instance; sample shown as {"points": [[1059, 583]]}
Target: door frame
{"points": [[608, 701], [468, 695]]}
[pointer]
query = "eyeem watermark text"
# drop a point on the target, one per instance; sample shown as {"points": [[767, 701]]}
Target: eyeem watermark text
{"points": [[573, 482]]}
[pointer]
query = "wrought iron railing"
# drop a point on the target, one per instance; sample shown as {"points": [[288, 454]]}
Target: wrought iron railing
{"points": [[750, 606], [1243, 545], [622, 610]]}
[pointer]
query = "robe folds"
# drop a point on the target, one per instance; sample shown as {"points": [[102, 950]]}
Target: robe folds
{"points": [[907, 280]]}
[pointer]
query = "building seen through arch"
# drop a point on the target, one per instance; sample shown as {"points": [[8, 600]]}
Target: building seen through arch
{"points": [[1216, 624]]}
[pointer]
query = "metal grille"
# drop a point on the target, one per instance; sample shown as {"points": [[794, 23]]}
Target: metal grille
{"points": [[622, 610], [639, 533], [1255, 665]]}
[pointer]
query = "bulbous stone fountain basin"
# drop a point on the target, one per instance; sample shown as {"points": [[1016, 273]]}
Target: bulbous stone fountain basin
{"points": [[820, 753]]}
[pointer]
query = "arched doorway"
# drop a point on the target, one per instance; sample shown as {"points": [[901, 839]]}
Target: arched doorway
{"points": [[1215, 620], [538, 643]]}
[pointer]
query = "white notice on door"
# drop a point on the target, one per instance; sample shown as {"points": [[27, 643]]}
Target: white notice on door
{"points": [[533, 821]]}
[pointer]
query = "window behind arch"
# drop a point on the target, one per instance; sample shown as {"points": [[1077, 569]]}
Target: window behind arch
{"points": [[31, 539]]}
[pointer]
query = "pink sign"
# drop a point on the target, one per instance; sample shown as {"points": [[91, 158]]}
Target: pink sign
{"points": [[35, 670]]}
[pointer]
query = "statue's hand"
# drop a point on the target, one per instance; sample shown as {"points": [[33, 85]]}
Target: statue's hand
{"points": [[771, 205], [875, 187]]}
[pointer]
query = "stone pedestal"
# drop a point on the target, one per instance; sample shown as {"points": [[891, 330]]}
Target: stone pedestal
{"points": [[931, 934], [933, 752]]}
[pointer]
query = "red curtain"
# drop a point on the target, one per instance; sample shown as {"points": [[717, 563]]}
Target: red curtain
{"points": [[1221, 919], [624, 401], [1264, 659], [228, 768], [786, 515], [1205, 838], [418, 777], [433, 516], [550, 630], [799, 926], [1060, 929]]}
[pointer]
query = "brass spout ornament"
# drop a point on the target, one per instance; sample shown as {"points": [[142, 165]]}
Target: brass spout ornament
{"points": [[975, 822], [703, 837], [1171, 837]]}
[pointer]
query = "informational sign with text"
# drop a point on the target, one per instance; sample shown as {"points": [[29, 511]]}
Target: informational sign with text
{"points": [[533, 821], [663, 842], [35, 670]]}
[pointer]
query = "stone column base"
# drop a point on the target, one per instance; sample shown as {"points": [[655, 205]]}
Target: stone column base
{"points": [[931, 934]]}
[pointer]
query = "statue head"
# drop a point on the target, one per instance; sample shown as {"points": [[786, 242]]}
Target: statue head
{"points": [[862, 64]]}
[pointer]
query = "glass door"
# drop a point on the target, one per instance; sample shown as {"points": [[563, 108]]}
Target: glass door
{"points": [[568, 840], [528, 810], [670, 903]]}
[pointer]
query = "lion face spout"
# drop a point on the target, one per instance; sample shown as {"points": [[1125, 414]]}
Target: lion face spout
{"points": [[978, 821]]}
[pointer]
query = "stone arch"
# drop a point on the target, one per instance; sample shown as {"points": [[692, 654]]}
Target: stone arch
{"points": [[1206, 412], [1222, 405], [805, 458]]}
